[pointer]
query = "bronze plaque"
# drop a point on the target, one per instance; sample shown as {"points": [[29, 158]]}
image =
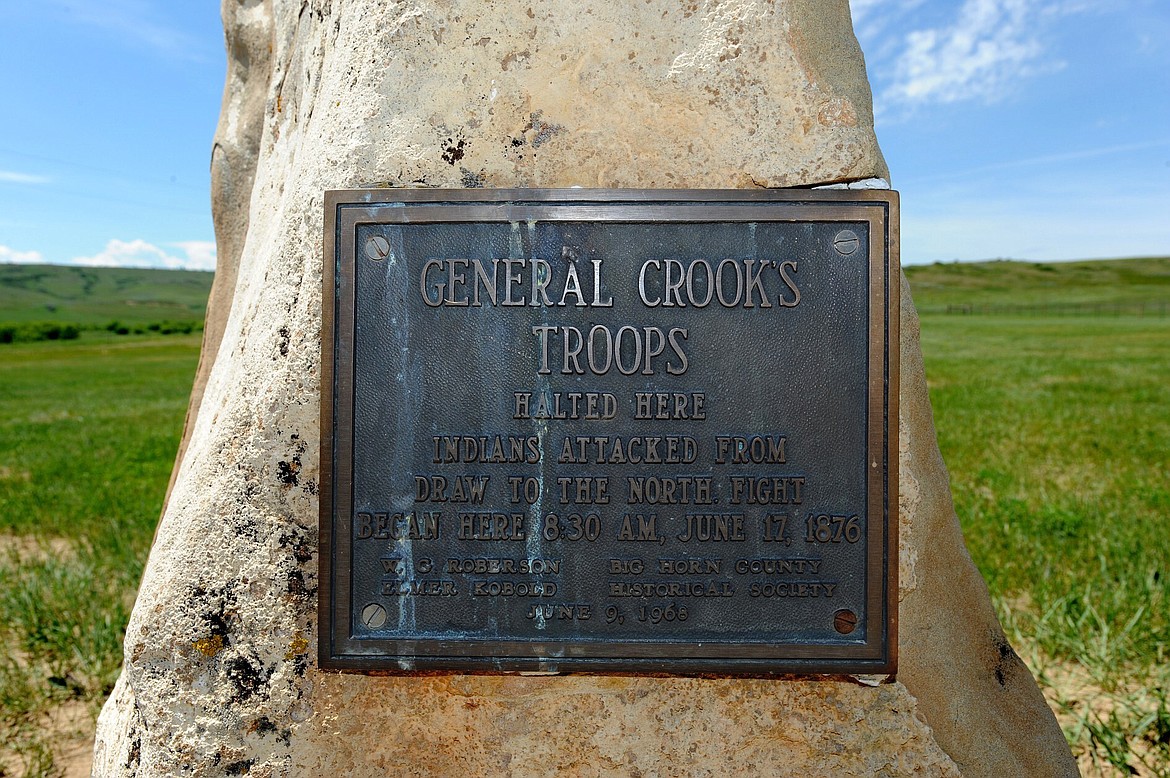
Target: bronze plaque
{"points": [[609, 431]]}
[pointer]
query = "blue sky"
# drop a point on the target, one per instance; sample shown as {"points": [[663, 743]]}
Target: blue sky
{"points": [[1029, 129]]}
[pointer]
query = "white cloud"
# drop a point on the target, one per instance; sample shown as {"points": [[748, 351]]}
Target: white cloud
{"points": [[198, 255], [12, 177], [13, 257], [870, 17], [991, 44], [926, 53]]}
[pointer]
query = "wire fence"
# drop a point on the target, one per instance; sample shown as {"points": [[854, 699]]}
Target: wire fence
{"points": [[1153, 309]]}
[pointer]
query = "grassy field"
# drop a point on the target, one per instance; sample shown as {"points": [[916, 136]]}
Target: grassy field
{"points": [[88, 433], [1056, 432], [1055, 428], [1029, 286], [94, 296]]}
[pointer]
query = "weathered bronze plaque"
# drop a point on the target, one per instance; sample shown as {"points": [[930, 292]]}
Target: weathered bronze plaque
{"points": [[647, 431]]}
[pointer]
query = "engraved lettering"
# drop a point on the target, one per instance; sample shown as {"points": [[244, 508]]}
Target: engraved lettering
{"points": [[511, 280], [642, 348], [769, 490], [681, 490], [787, 566], [485, 449], [513, 589], [419, 588], [787, 279], [491, 526], [671, 589], [455, 280], [811, 589], [626, 566], [597, 301], [776, 529], [541, 276], [713, 527], [689, 566], [584, 489], [435, 300], [503, 566], [662, 406], [637, 449], [464, 488], [758, 449], [721, 283], [755, 284], [573, 287], [565, 612], [673, 283], [482, 281], [639, 527], [387, 525]]}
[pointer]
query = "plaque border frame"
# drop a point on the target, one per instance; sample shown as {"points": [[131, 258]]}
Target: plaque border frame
{"points": [[346, 209]]}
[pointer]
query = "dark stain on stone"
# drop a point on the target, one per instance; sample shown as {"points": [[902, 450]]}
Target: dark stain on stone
{"points": [[472, 180], [1002, 666], [296, 584], [542, 131], [247, 677], [301, 665], [295, 539], [241, 767], [453, 150], [217, 624], [288, 471], [219, 614], [514, 57], [285, 336], [262, 726], [135, 755]]}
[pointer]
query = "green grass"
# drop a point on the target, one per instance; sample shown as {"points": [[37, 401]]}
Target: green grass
{"points": [[1018, 284], [92, 297], [88, 434], [1056, 433], [1057, 437]]}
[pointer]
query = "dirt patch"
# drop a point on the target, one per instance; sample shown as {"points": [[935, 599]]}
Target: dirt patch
{"points": [[1101, 722], [72, 726], [66, 732], [8, 474], [29, 548]]}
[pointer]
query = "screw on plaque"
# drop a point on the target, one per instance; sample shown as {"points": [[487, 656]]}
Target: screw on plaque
{"points": [[377, 248], [846, 242], [844, 621], [373, 615]]}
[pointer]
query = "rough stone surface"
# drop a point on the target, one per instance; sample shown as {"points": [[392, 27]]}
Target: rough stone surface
{"points": [[219, 677]]}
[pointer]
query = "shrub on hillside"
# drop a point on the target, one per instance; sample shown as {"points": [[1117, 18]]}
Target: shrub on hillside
{"points": [[38, 330], [164, 327]]}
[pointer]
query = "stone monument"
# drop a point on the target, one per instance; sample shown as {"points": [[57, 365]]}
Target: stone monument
{"points": [[220, 673]]}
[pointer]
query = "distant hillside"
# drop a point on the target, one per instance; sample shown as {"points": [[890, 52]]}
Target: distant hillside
{"points": [[93, 296], [1061, 286]]}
